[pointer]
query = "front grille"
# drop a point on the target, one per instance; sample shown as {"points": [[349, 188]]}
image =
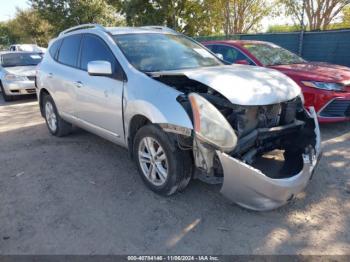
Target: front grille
{"points": [[31, 78], [337, 108]]}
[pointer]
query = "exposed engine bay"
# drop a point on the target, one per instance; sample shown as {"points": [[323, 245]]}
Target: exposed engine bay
{"points": [[284, 129]]}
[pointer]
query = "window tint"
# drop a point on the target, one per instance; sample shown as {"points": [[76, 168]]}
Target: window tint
{"points": [[54, 47], [69, 50], [230, 54], [93, 49]]}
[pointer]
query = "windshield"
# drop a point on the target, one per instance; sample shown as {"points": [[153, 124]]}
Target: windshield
{"points": [[161, 52], [269, 54], [20, 59]]}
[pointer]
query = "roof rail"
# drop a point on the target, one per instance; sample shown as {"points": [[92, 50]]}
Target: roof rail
{"points": [[159, 27], [84, 26]]}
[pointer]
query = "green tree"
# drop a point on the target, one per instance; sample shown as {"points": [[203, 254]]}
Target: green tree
{"points": [[29, 27], [5, 37], [191, 17], [242, 16], [344, 20], [346, 15], [283, 28], [197, 17], [62, 14], [319, 13]]}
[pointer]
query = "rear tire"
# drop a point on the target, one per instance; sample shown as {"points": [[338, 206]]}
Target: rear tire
{"points": [[168, 169], [56, 125], [7, 98]]}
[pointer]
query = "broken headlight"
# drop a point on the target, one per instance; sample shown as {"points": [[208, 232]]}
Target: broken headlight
{"points": [[324, 85], [210, 125]]}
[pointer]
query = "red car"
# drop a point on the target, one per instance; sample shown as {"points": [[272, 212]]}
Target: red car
{"points": [[325, 86]]}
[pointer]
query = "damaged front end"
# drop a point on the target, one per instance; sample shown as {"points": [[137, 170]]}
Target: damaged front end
{"points": [[271, 157], [263, 155], [268, 183]]}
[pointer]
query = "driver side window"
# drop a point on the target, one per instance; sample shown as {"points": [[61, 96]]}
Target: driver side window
{"points": [[230, 54], [95, 49]]}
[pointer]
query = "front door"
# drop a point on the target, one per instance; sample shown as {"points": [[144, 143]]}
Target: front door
{"points": [[99, 98]]}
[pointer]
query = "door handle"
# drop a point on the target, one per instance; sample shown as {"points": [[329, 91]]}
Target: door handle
{"points": [[50, 75], [78, 84]]}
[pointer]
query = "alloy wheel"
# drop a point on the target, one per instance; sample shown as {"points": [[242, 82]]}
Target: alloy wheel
{"points": [[153, 161], [51, 117]]}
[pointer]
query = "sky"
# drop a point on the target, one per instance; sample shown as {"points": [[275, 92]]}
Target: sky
{"points": [[8, 8]]}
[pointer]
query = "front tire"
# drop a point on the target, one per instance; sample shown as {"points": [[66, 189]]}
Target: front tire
{"points": [[56, 125], [163, 167]]}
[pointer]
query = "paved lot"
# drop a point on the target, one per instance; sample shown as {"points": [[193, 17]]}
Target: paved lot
{"points": [[82, 195]]}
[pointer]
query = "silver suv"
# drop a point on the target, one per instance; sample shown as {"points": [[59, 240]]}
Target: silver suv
{"points": [[181, 112]]}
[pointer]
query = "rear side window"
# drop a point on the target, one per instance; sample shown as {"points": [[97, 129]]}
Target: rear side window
{"points": [[93, 49], [69, 51], [53, 48]]}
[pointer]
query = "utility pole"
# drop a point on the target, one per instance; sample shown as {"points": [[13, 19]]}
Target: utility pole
{"points": [[302, 29]]}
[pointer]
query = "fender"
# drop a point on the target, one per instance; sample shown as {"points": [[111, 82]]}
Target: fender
{"points": [[165, 111], [154, 100]]}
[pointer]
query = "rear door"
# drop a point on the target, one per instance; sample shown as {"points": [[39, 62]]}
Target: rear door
{"points": [[61, 75], [99, 98]]}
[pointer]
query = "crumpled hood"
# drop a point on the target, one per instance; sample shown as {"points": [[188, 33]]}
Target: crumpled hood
{"points": [[21, 70], [244, 85]]}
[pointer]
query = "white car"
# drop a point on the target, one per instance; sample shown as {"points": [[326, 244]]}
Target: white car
{"points": [[181, 112], [27, 48], [17, 73]]}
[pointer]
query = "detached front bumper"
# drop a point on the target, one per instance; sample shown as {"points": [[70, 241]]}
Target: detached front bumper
{"points": [[250, 188]]}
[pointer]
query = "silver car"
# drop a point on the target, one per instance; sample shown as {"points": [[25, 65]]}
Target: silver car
{"points": [[17, 73], [181, 112], [28, 48]]}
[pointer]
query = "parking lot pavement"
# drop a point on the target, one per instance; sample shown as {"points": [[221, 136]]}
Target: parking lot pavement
{"points": [[82, 195]]}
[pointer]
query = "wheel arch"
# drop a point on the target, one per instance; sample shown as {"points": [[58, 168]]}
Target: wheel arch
{"points": [[43, 91], [136, 122], [142, 112]]}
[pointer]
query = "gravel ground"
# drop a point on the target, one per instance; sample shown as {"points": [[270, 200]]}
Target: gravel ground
{"points": [[82, 195]]}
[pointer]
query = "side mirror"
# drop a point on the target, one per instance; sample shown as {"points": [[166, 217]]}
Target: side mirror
{"points": [[220, 56], [242, 62], [99, 68]]}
